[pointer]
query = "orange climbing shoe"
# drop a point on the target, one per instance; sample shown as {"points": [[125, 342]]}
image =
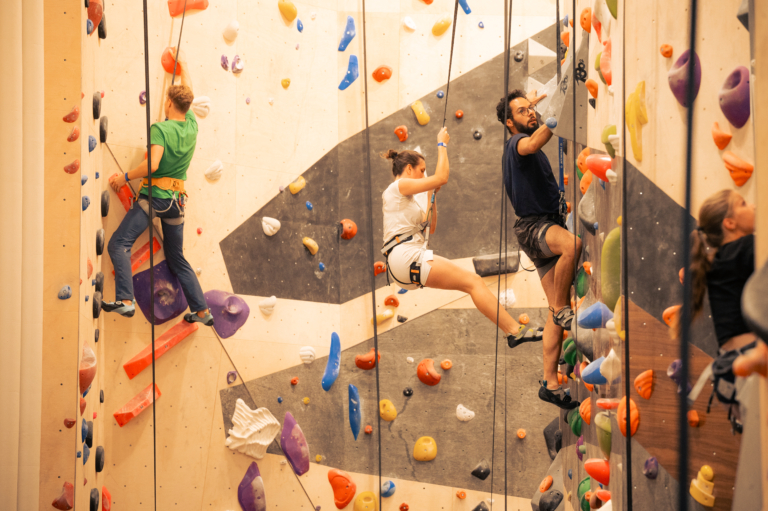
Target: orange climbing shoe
{"points": [[559, 397]]}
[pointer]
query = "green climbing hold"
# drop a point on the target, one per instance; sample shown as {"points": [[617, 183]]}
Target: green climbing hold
{"points": [[610, 268], [574, 420], [582, 282], [569, 352], [605, 139], [584, 486], [613, 7], [603, 423], [597, 67]]}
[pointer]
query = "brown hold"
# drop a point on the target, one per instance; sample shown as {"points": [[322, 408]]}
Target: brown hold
{"points": [[753, 361], [523, 319], [459, 114], [581, 161], [348, 229], [693, 418], [740, 170], [446, 365], [586, 180], [73, 114], [82, 406], [721, 138], [461, 494], [72, 167], [427, 373], [66, 498], [666, 50], [69, 422], [74, 134], [592, 88], [295, 380], [367, 361], [521, 433], [382, 73], [586, 19], [391, 301], [379, 267], [368, 429], [566, 38], [546, 484], [402, 133]]}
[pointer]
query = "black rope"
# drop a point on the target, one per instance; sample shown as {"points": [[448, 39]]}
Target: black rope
{"points": [[450, 59], [685, 332], [178, 46]]}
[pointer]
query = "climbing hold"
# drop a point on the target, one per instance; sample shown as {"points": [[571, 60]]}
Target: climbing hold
{"points": [[585, 410], [521, 433], [595, 316], [321, 267], [368, 429], [581, 164], [651, 468], [387, 489], [214, 171], [73, 115], [693, 418], [91, 143], [267, 305], [603, 423], [379, 267], [87, 369], [231, 377], [441, 26], [355, 414], [421, 114], [565, 37], [297, 185], [270, 225], [285, 82], [459, 114], [248, 102], [670, 313], [580, 448], [446, 364], [593, 102], [702, 488], [231, 30], [88, 27], [387, 410], [294, 445], [674, 372], [279, 399], [82, 405], [103, 129], [464, 5], [384, 316], [519, 56], [366, 501], [88, 426], [201, 105], [382, 73], [367, 361], [612, 7], [401, 319], [440, 94], [69, 423], [99, 459], [407, 391], [586, 19], [481, 25], [734, 97], [96, 105], [168, 61], [425, 449], [299, 26], [599, 470], [287, 9], [391, 301], [605, 63], [348, 35], [86, 453], [592, 87], [721, 138], [66, 499], [551, 123], [592, 375], [634, 416], [574, 420], [409, 360], [65, 293], [74, 134], [311, 245], [250, 493], [597, 66], [678, 77], [309, 205], [636, 114], [477, 135], [482, 470], [94, 498], [666, 50], [237, 64], [427, 373], [550, 500], [740, 170], [353, 72], [404, 506], [409, 23], [545, 484], [464, 414], [609, 131], [401, 132], [461, 494], [332, 367], [295, 380], [600, 166], [482, 506], [644, 384]]}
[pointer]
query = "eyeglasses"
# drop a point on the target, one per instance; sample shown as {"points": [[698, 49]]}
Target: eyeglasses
{"points": [[524, 111]]}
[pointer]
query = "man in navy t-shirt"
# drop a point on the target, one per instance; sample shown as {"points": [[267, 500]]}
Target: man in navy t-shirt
{"points": [[540, 231]]}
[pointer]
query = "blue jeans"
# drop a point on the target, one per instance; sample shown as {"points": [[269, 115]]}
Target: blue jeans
{"points": [[133, 225]]}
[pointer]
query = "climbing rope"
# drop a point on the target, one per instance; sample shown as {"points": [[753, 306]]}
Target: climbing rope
{"points": [[178, 46], [450, 61]]}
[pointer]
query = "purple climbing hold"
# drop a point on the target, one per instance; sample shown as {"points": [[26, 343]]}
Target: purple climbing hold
{"points": [[237, 64], [229, 311], [651, 468], [674, 371], [250, 493], [143, 97], [294, 445], [734, 97], [678, 77], [169, 300], [579, 444], [225, 63], [348, 35], [353, 71], [231, 377]]}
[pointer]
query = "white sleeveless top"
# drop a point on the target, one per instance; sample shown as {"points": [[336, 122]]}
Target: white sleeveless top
{"points": [[402, 212]]}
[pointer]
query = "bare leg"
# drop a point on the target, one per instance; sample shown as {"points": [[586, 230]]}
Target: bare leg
{"points": [[446, 275], [553, 334], [568, 247]]}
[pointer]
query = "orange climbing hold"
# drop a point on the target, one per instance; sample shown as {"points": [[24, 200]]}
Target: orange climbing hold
{"points": [[461, 494], [446, 364], [644, 384], [666, 50], [168, 60], [669, 314], [634, 416], [740, 170], [343, 487], [367, 361], [82, 405], [165, 342], [592, 87], [753, 361], [693, 418], [521, 433], [459, 114], [523, 319], [295, 380], [391, 301], [402, 133], [135, 406], [581, 161], [348, 229], [586, 19], [72, 115], [599, 470], [74, 134], [176, 7], [585, 410], [379, 267], [568, 204], [587, 267], [721, 138], [561, 378], [368, 429], [607, 404], [95, 12], [427, 373], [404, 506], [605, 62], [566, 38], [382, 73], [599, 165], [546, 484]]}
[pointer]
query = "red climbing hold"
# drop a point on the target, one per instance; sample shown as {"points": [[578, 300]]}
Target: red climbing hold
{"points": [[126, 197], [135, 406], [88, 268], [607, 404], [69, 422], [368, 430], [379, 267], [367, 361], [167, 60], [66, 498], [392, 301], [74, 134], [344, 487], [402, 133], [176, 7], [73, 115], [427, 373], [95, 12], [106, 499], [599, 470], [72, 167], [348, 229], [404, 506], [165, 342], [82, 406], [87, 367], [199, 230], [382, 73], [295, 380], [599, 165], [546, 483], [459, 114]]}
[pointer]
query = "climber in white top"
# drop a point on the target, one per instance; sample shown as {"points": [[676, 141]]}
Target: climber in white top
{"points": [[408, 260]]}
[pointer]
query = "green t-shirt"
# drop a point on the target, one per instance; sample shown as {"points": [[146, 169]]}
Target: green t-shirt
{"points": [[178, 140]]}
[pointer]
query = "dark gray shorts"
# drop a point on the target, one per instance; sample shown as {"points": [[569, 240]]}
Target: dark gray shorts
{"points": [[531, 232]]}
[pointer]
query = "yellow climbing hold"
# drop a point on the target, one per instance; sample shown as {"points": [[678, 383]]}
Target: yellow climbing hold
{"points": [[618, 220], [636, 115], [421, 114], [311, 245], [384, 316], [387, 410], [440, 27], [297, 185], [425, 449], [702, 488], [287, 9], [285, 82], [306, 400], [366, 501], [618, 310], [318, 458]]}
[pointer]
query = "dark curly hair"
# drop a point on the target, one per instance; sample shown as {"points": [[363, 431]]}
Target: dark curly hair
{"points": [[517, 93]]}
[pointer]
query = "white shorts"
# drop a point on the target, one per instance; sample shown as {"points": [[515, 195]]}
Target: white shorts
{"points": [[400, 260]]}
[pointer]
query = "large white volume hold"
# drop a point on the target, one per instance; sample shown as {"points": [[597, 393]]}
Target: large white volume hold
{"points": [[464, 414], [252, 431], [201, 105], [267, 305], [230, 32], [270, 225], [213, 173], [307, 354], [611, 367]]}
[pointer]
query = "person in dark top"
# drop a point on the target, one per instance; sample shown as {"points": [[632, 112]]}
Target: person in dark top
{"points": [[540, 228]]}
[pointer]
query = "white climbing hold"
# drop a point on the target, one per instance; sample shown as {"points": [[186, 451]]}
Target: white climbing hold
{"points": [[610, 325], [237, 64], [507, 298], [271, 101], [602, 236], [214, 171], [610, 90], [198, 271], [307, 354], [409, 23], [267, 305], [270, 225], [611, 175], [253, 430], [283, 462], [409, 360], [230, 32], [201, 105], [314, 15], [611, 367], [464, 414]]}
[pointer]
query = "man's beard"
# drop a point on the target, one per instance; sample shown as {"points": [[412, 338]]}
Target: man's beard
{"points": [[524, 128]]}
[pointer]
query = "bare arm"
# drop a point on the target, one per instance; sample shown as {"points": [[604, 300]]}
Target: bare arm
{"points": [[440, 178], [118, 180], [535, 142]]}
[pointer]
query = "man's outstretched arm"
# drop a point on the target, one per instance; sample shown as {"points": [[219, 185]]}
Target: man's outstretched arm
{"points": [[535, 142]]}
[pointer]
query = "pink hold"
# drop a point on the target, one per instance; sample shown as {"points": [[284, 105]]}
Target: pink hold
{"points": [[247, 101], [143, 97], [225, 62]]}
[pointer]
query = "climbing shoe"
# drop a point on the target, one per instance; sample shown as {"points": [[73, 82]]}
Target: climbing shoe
{"points": [[563, 317], [559, 397], [192, 317], [124, 310], [525, 335]]}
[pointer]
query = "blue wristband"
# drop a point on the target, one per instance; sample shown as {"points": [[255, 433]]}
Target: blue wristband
{"points": [[125, 175], [441, 144]]}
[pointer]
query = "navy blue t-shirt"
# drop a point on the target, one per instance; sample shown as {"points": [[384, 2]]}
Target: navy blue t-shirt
{"points": [[530, 184]]}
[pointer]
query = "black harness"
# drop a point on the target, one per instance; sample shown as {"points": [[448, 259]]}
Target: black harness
{"points": [[414, 272]]}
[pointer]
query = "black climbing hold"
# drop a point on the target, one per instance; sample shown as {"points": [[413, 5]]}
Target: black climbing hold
{"points": [[550, 500], [96, 105], [94, 499], [79, 454], [481, 507], [86, 4], [86, 453], [96, 305], [89, 434], [99, 242], [592, 102], [743, 13], [96, 335], [99, 282], [103, 126], [488, 265], [482, 470], [99, 459], [401, 319], [568, 370], [553, 437], [103, 26], [477, 135], [408, 392], [104, 203], [101, 396], [519, 56]]}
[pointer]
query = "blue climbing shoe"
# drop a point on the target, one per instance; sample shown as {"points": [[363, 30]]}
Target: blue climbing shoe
{"points": [[192, 317], [127, 311]]}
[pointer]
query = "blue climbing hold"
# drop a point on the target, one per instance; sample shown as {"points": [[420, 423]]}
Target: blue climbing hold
{"points": [[83, 179], [355, 415], [300, 26], [551, 123], [570, 474], [387, 489], [402, 291], [595, 316], [334, 360], [86, 453], [310, 206], [87, 390], [86, 202], [79, 454], [348, 35], [91, 143], [353, 71], [83, 431], [464, 5], [86, 298], [596, 225], [565, 21], [279, 399], [481, 25], [89, 27], [65, 292], [321, 267], [97, 175], [592, 375], [440, 94]]}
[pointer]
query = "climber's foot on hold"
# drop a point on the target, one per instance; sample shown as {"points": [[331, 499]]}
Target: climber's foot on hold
{"points": [[559, 397], [124, 309], [195, 317], [563, 317], [525, 335]]}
